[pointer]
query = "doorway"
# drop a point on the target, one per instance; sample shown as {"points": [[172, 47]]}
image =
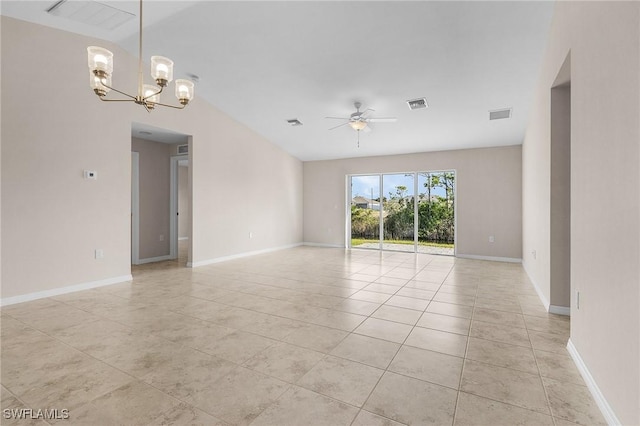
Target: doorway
{"points": [[180, 226], [560, 193], [407, 212], [157, 186], [135, 207]]}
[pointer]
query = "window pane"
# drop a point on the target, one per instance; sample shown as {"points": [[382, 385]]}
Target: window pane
{"points": [[436, 209], [398, 211], [365, 211]]}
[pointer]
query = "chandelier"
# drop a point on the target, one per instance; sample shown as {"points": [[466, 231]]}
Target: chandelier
{"points": [[101, 69]]}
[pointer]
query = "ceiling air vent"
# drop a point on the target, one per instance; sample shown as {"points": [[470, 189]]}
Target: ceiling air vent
{"points": [[91, 13], [499, 114], [417, 103], [294, 122]]}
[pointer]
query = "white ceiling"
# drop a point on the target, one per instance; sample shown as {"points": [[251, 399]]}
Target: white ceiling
{"points": [[265, 62], [35, 11]]}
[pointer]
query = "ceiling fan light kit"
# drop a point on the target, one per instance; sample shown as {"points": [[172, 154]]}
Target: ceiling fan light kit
{"points": [[358, 125], [360, 120], [100, 61]]}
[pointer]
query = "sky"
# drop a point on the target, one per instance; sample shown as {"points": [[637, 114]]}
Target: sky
{"points": [[363, 185]]}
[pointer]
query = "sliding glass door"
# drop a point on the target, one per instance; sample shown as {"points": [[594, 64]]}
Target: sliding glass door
{"points": [[365, 211], [398, 212], [436, 212], [407, 212]]}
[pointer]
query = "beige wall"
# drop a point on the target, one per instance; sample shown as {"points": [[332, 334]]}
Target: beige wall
{"points": [[154, 189], [184, 218], [53, 219], [489, 198], [603, 38]]}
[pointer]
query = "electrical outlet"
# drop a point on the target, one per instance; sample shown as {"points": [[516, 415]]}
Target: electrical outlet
{"points": [[161, 237], [99, 253], [533, 253], [250, 235], [492, 239]]}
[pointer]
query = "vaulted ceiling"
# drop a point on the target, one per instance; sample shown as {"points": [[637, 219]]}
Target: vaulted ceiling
{"points": [[266, 62]]}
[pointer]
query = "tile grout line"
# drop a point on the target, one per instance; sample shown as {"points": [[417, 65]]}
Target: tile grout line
{"points": [[115, 368], [142, 380], [386, 369], [397, 351], [486, 363], [544, 388], [464, 363], [455, 405], [20, 399]]}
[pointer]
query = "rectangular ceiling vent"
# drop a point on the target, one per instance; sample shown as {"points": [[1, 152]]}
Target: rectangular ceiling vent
{"points": [[91, 13], [294, 122], [499, 114], [417, 103]]}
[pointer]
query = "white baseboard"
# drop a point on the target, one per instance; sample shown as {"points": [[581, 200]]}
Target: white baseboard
{"points": [[541, 295], [183, 238], [491, 258], [605, 408], [560, 310], [552, 309], [322, 245], [63, 290], [154, 259], [240, 255]]}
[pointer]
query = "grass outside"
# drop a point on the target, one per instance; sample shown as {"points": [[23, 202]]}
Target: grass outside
{"points": [[359, 241]]}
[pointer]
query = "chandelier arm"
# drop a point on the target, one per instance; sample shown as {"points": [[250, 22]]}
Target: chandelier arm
{"points": [[171, 106], [116, 100], [133, 98], [153, 94], [104, 80]]}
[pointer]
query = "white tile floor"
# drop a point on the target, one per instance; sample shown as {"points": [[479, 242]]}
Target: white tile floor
{"points": [[307, 336]]}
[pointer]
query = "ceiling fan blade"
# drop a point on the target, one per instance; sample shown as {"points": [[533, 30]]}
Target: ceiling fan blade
{"points": [[366, 112], [338, 118], [368, 128], [339, 125], [383, 120]]}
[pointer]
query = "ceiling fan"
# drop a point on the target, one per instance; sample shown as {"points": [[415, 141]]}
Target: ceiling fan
{"points": [[360, 120]]}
